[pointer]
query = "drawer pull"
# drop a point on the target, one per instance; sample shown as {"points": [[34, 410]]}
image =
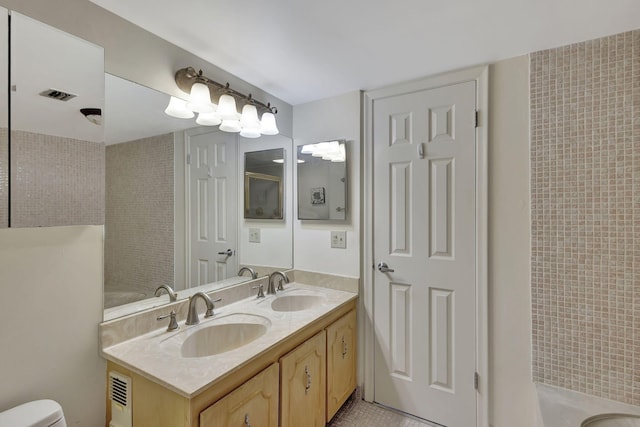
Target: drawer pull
{"points": [[246, 420], [308, 386], [344, 347]]}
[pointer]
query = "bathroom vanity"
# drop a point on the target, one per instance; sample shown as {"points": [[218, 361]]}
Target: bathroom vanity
{"points": [[296, 365]]}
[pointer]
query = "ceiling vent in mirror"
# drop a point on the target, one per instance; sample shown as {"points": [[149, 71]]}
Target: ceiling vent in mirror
{"points": [[57, 94]]}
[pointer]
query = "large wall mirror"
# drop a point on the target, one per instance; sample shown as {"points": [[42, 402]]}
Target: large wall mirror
{"points": [[56, 155], [175, 201]]}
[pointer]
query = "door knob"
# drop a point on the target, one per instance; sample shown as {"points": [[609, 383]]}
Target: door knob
{"points": [[384, 268], [228, 252]]}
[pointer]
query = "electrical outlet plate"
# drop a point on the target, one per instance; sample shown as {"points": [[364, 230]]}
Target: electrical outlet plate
{"points": [[339, 239], [254, 235]]}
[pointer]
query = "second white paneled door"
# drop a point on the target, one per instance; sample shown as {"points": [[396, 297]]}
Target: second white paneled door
{"points": [[212, 189], [424, 216]]}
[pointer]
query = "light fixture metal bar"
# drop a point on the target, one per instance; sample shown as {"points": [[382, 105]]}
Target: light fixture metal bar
{"points": [[186, 77]]}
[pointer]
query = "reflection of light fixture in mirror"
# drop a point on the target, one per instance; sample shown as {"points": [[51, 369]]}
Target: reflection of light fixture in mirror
{"points": [[202, 89], [282, 161], [94, 115], [208, 119], [333, 151], [178, 108]]}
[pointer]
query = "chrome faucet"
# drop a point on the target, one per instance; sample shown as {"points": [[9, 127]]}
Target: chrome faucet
{"points": [[283, 278], [192, 316], [251, 271], [173, 296]]}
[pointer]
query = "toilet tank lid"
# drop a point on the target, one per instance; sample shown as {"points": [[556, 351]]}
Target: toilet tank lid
{"points": [[39, 413]]}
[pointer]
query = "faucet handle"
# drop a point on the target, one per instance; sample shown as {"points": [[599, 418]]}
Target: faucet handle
{"points": [[173, 324], [209, 312], [260, 289]]}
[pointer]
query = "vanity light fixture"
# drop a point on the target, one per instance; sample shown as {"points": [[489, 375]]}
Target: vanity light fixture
{"points": [[203, 92]]}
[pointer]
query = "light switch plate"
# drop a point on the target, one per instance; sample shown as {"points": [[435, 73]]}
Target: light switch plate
{"points": [[339, 239], [254, 235]]}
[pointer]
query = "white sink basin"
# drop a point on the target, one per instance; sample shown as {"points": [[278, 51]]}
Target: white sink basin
{"points": [[224, 334], [297, 302], [612, 420]]}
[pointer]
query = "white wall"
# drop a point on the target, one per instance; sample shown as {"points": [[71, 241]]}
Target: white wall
{"points": [[276, 236], [513, 398], [325, 120], [49, 326]]}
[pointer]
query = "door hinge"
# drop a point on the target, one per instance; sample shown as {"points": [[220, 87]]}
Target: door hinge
{"points": [[476, 380], [477, 119], [189, 159]]}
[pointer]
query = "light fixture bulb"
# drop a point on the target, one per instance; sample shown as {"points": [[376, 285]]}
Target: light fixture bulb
{"points": [[200, 99], [308, 149], [268, 124], [249, 117], [230, 126], [94, 115], [249, 122], [321, 149], [342, 156], [227, 108], [208, 119], [250, 133], [178, 108]]}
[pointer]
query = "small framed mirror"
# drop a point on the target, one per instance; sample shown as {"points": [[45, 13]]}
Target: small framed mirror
{"points": [[263, 186], [322, 181]]}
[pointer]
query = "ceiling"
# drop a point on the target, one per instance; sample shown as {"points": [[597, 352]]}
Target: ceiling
{"points": [[301, 51]]}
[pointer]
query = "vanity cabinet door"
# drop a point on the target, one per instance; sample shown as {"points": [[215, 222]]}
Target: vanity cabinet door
{"points": [[253, 404], [302, 382], [341, 362]]}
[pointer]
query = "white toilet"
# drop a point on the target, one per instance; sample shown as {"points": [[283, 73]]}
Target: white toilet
{"points": [[39, 413]]}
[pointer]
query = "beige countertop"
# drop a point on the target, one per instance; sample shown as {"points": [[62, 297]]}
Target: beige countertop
{"points": [[157, 357]]}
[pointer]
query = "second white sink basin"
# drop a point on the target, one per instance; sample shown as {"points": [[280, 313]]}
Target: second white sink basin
{"points": [[224, 334], [297, 302]]}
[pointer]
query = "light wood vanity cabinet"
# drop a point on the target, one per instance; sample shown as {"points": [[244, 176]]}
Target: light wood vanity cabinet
{"points": [[302, 378], [299, 382], [254, 403], [341, 362]]}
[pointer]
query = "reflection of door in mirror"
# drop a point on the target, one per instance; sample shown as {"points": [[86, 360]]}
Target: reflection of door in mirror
{"points": [[56, 153], [212, 190]]}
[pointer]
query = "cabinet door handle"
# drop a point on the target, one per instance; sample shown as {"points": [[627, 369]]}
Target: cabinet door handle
{"points": [[344, 347], [308, 386], [246, 420]]}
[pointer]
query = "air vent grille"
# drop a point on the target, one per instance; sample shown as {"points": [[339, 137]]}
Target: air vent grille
{"points": [[57, 94], [119, 389], [120, 397]]}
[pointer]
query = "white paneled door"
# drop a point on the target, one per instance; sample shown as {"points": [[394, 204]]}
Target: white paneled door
{"points": [[212, 188], [424, 232]]}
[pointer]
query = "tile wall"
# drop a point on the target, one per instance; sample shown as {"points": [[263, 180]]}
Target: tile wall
{"points": [[585, 231], [56, 181], [139, 235], [4, 178]]}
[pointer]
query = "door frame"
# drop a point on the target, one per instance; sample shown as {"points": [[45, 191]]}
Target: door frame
{"points": [[480, 75]]}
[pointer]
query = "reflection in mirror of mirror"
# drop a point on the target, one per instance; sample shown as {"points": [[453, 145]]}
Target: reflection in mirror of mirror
{"points": [[145, 200], [322, 176], [263, 186]]}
